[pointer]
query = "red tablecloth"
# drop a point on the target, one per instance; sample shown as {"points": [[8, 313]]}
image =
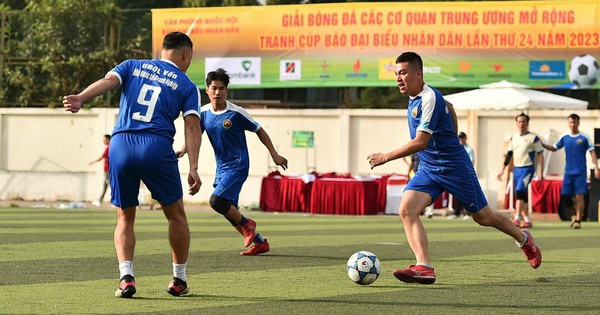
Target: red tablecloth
{"points": [[346, 196], [284, 194], [545, 196]]}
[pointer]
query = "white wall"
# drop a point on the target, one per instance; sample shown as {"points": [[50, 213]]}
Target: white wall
{"points": [[44, 153]]}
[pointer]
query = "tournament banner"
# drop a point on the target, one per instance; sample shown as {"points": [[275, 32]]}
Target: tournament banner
{"points": [[542, 44]]}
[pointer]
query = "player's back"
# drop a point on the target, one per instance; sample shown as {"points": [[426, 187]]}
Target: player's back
{"points": [[155, 92]]}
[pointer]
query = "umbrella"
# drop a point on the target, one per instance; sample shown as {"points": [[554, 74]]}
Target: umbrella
{"points": [[505, 95]]}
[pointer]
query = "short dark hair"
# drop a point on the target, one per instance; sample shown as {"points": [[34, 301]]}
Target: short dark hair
{"points": [[522, 115], [177, 40], [217, 75], [107, 136], [462, 135], [413, 59], [574, 117]]}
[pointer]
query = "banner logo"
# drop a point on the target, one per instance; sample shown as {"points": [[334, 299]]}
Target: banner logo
{"points": [[547, 69], [290, 69], [242, 71]]}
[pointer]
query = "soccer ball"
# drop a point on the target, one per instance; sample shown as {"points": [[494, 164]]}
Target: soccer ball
{"points": [[584, 71], [363, 267]]}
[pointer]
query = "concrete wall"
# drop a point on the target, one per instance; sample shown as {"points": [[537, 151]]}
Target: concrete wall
{"points": [[44, 153]]}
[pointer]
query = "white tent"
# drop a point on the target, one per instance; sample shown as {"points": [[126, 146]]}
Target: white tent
{"points": [[506, 95]]}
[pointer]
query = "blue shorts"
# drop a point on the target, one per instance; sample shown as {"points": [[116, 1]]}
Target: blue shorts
{"points": [[574, 185], [461, 182], [136, 157], [522, 177], [229, 185]]}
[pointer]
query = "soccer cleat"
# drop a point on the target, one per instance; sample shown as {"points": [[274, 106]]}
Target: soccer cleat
{"points": [[126, 287], [576, 224], [249, 232], [526, 225], [517, 222], [419, 274], [177, 287], [258, 248], [532, 252]]}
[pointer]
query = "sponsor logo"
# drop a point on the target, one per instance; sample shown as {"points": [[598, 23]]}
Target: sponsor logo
{"points": [[433, 70], [241, 70], [547, 69], [497, 74], [386, 69], [356, 68], [324, 66], [463, 68], [290, 70]]}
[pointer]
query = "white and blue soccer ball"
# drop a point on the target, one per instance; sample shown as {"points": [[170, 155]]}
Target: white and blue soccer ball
{"points": [[584, 71], [363, 267]]}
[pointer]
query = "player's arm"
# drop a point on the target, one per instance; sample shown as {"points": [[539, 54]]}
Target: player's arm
{"points": [[595, 161], [540, 161], [415, 145], [193, 138], [453, 115], [263, 136], [507, 159], [549, 147], [73, 103]]}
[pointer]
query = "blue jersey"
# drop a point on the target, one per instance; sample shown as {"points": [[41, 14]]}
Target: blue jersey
{"points": [[428, 112], [575, 148], [226, 131], [154, 93]]}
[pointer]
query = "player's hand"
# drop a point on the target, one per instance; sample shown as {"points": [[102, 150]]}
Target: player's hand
{"points": [[376, 159], [499, 177], [72, 103], [180, 153], [194, 182], [281, 161], [596, 173]]}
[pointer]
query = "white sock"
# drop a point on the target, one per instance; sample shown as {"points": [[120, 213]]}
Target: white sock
{"points": [[524, 239], [527, 219], [126, 268], [424, 265], [179, 271]]}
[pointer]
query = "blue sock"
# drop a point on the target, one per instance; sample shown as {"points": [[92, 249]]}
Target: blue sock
{"points": [[243, 220], [258, 239]]}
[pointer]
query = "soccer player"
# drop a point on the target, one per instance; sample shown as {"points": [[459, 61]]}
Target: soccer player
{"points": [[576, 143], [155, 93], [226, 124], [524, 148], [445, 165], [104, 157]]}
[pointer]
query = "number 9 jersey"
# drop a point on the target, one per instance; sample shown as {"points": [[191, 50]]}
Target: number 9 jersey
{"points": [[154, 93]]}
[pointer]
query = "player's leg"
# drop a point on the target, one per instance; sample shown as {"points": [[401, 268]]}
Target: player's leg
{"points": [[160, 174], [522, 177], [580, 184], [225, 201], [417, 196], [464, 185], [124, 196]]}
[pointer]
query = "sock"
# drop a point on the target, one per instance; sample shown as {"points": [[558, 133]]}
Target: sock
{"points": [[519, 218], [258, 239], [126, 268], [424, 265], [179, 271], [243, 220], [527, 219], [524, 239]]}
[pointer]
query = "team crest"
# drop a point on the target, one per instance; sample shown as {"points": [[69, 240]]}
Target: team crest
{"points": [[579, 141], [415, 112], [227, 124]]}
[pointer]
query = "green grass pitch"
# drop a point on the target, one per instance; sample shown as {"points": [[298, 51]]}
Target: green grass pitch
{"points": [[63, 262]]}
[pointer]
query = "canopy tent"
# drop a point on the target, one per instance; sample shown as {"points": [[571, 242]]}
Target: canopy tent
{"points": [[506, 95]]}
